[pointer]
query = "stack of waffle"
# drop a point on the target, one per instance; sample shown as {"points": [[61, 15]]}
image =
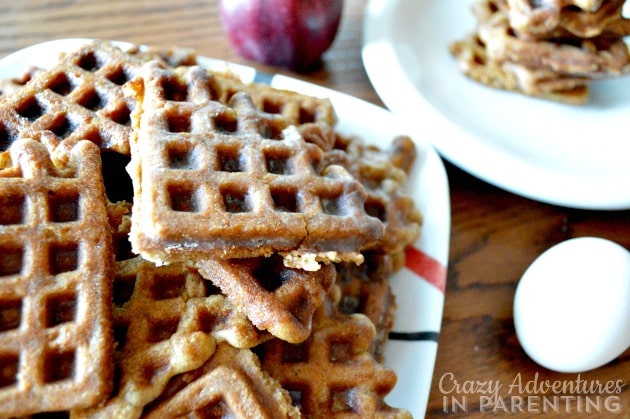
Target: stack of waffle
{"points": [[176, 242], [551, 49]]}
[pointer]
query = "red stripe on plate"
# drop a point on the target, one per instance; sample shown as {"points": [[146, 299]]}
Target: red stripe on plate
{"points": [[425, 266]]}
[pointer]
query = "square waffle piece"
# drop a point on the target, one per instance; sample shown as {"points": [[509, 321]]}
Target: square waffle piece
{"points": [[230, 385], [333, 373], [314, 117], [55, 281], [80, 97], [167, 321], [215, 180]]}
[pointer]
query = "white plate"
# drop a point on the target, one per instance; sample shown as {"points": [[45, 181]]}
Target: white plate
{"points": [[576, 156], [419, 286]]}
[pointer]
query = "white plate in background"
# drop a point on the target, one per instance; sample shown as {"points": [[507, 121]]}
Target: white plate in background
{"points": [[574, 156]]}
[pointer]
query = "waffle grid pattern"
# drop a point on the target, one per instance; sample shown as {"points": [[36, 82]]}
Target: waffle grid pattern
{"points": [[228, 178], [314, 117], [55, 281], [333, 374], [366, 290], [79, 98], [167, 321], [219, 388], [383, 173], [89, 328]]}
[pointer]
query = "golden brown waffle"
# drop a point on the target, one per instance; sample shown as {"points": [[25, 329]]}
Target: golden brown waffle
{"points": [[333, 374], [592, 58], [474, 62], [383, 173], [314, 117], [296, 108], [557, 69], [173, 343], [231, 384], [173, 57], [8, 86], [215, 180], [167, 321], [365, 289], [55, 289], [79, 98], [275, 298], [566, 18]]}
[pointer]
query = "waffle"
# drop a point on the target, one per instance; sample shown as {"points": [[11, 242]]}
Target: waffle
{"points": [[365, 289], [275, 298], [474, 62], [384, 175], [566, 18], [256, 206], [333, 374], [172, 57], [593, 58], [557, 69], [10, 85], [230, 384], [79, 98], [314, 117], [55, 289], [7, 87], [167, 321], [216, 181]]}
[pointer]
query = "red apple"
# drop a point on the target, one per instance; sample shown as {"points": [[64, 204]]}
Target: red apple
{"points": [[286, 33]]}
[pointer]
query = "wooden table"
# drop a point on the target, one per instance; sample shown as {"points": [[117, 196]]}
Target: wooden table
{"points": [[495, 234]]}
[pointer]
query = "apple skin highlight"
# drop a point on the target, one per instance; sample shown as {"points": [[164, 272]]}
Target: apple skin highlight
{"points": [[292, 34]]}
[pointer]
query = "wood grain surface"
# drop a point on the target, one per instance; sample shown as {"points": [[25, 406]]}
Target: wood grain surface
{"points": [[495, 234]]}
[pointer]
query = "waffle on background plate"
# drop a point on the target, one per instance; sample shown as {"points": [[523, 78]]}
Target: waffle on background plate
{"points": [[552, 50], [175, 242]]}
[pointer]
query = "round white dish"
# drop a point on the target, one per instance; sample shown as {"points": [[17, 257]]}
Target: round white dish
{"points": [[574, 156]]}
